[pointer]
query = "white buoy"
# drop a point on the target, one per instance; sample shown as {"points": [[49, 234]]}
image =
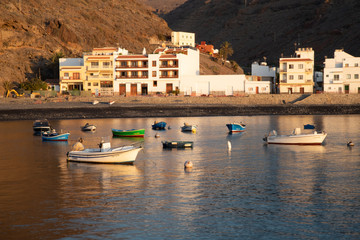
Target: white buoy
{"points": [[188, 164], [111, 102], [157, 135], [229, 145]]}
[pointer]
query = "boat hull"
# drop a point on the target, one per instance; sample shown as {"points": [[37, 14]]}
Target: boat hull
{"points": [[88, 128], [128, 133], [303, 139], [159, 125], [235, 127], [188, 128], [177, 144], [60, 137], [125, 155]]}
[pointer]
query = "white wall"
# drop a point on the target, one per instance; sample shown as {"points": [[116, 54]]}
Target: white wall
{"points": [[252, 87], [207, 84]]}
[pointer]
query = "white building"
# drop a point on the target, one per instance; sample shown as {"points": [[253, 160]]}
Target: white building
{"points": [[262, 72], [159, 72], [183, 39], [297, 73], [341, 73]]}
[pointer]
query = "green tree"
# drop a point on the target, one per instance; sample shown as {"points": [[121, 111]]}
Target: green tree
{"points": [[34, 84], [226, 50], [54, 63]]}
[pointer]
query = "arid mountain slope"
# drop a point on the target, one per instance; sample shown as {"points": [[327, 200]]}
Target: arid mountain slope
{"points": [[32, 31], [270, 28], [163, 6]]}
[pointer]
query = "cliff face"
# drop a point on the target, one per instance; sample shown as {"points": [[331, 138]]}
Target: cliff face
{"points": [[32, 31], [270, 28]]}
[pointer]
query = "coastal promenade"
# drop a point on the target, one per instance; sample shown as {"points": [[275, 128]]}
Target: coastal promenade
{"points": [[177, 106]]}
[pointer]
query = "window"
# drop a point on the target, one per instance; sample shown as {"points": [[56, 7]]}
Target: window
{"points": [[356, 76], [300, 77], [291, 77], [301, 66], [164, 63], [356, 65], [154, 83], [124, 64], [94, 64], [154, 63], [106, 64], [348, 76], [291, 66], [134, 74], [89, 84], [175, 63], [144, 63], [154, 73], [123, 74], [95, 84], [144, 73], [134, 63], [336, 77], [327, 75], [76, 75], [346, 65], [106, 84], [164, 74]]}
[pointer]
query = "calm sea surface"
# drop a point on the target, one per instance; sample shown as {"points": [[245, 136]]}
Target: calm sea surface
{"points": [[254, 191]]}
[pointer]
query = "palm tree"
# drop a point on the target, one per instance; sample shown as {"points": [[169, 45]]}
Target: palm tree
{"points": [[7, 85], [226, 50]]}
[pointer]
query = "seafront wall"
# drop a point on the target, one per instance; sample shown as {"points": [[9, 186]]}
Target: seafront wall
{"points": [[133, 107], [172, 111]]}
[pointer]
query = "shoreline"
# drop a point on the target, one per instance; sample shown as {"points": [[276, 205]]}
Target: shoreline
{"points": [[143, 111], [68, 107]]}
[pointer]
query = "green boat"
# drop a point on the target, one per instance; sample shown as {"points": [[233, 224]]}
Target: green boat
{"points": [[128, 133]]}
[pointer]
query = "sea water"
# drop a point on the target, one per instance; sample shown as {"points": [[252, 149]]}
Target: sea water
{"points": [[253, 191]]}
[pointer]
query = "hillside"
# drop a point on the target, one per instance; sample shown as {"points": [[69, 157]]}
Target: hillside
{"points": [[163, 6], [32, 31], [270, 28]]}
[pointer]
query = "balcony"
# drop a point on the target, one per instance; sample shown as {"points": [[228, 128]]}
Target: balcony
{"points": [[118, 67], [131, 77], [69, 78], [169, 66], [163, 76], [97, 77]]}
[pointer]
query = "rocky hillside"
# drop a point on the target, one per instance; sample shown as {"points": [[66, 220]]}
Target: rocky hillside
{"points": [[270, 28], [163, 6], [32, 31]]}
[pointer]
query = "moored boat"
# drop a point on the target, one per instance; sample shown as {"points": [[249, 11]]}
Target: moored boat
{"points": [[105, 154], [40, 126], [188, 127], [236, 127], [88, 127], [309, 126], [177, 144], [296, 138], [158, 125], [128, 133], [54, 136]]}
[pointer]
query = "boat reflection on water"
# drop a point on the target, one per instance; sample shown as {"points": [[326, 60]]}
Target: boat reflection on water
{"points": [[295, 148]]}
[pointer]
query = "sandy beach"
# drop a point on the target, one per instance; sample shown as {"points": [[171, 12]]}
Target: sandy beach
{"points": [[68, 107]]}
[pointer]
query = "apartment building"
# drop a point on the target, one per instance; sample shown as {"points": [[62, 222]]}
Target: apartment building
{"points": [[180, 39], [159, 72], [72, 74], [341, 73], [296, 74]]}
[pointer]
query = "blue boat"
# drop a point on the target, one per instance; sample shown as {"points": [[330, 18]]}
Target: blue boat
{"points": [[54, 136], [309, 126], [158, 125], [236, 127]]}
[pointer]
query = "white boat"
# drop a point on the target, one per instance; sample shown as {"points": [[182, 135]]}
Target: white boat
{"points": [[105, 154], [187, 127], [296, 138], [88, 127]]}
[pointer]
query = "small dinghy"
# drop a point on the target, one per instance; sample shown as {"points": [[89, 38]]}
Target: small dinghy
{"points": [[54, 136], [88, 127]]}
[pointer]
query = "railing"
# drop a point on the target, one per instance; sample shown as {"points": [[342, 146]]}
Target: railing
{"points": [[142, 66], [69, 78], [162, 76], [169, 66], [99, 68], [98, 77], [131, 77]]}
